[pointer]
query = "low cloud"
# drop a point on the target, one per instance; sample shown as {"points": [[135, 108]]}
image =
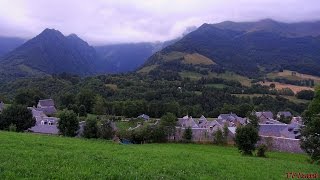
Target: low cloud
{"points": [[114, 21]]}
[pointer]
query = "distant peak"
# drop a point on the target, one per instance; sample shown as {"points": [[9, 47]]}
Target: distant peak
{"points": [[73, 36], [48, 31], [268, 20]]}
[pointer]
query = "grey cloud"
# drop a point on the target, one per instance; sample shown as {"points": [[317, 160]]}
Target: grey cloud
{"points": [[112, 21]]}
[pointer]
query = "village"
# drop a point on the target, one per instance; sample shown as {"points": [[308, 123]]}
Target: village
{"points": [[276, 135]]}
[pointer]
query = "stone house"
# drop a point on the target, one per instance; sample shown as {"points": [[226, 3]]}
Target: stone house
{"points": [[47, 106], [44, 124], [264, 116]]}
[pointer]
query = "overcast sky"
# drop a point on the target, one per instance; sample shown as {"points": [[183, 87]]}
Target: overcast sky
{"points": [[113, 21]]}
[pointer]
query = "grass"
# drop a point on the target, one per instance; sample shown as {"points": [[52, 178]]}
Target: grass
{"points": [[290, 98], [196, 58], [280, 86], [288, 75], [29, 156], [192, 75], [233, 76], [218, 86]]}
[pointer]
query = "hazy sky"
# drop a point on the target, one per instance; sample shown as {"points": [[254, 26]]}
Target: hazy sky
{"points": [[111, 21]]}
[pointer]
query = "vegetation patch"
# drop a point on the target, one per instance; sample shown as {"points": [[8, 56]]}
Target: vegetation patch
{"points": [[196, 58], [51, 157], [280, 86]]}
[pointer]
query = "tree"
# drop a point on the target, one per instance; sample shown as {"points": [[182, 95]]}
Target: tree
{"points": [[28, 97], [225, 133], [106, 130], [272, 86], [313, 108], [90, 129], [246, 139], [169, 122], [218, 137], [310, 140], [82, 111], [284, 119], [253, 120], [305, 94], [86, 98], [18, 116], [187, 135], [68, 124], [66, 100], [99, 106], [310, 133]]}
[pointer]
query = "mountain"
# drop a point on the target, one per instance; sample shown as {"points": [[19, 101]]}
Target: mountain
{"points": [[7, 44], [248, 53], [299, 29], [126, 57], [123, 57], [50, 52]]}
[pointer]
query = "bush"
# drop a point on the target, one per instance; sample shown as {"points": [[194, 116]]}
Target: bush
{"points": [[90, 129], [187, 135], [305, 94], [262, 148], [246, 139], [106, 130], [218, 137], [82, 111], [68, 124], [18, 116]]}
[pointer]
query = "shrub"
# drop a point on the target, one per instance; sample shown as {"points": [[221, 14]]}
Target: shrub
{"points": [[246, 139], [82, 111], [68, 124], [262, 148], [17, 115], [187, 135], [218, 137], [90, 129], [106, 130]]}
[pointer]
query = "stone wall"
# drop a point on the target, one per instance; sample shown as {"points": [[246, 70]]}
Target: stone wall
{"points": [[200, 135], [281, 144]]}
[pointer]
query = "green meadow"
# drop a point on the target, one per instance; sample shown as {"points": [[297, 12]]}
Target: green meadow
{"points": [[31, 156]]}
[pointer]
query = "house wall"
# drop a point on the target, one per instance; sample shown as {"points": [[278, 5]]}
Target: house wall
{"points": [[281, 144]]}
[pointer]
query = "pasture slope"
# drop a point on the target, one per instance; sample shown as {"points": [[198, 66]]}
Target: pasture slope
{"points": [[30, 156]]}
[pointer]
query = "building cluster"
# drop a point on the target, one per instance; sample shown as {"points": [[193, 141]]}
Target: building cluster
{"points": [[270, 126], [45, 124]]}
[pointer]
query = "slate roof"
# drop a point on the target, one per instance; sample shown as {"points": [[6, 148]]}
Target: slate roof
{"points": [[144, 116], [271, 129], [45, 102], [187, 122], [47, 110], [266, 114], [42, 125]]}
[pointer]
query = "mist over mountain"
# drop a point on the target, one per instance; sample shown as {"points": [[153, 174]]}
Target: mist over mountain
{"points": [[247, 48], [7, 44]]}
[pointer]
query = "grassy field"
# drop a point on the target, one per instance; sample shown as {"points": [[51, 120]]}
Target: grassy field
{"points": [[294, 88], [290, 98], [289, 75], [28, 156]]}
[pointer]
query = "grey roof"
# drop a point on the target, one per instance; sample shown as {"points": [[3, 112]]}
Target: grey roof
{"points": [[229, 117], [284, 113], [266, 114], [187, 122], [144, 116], [271, 129], [42, 128], [46, 102], [47, 110]]}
